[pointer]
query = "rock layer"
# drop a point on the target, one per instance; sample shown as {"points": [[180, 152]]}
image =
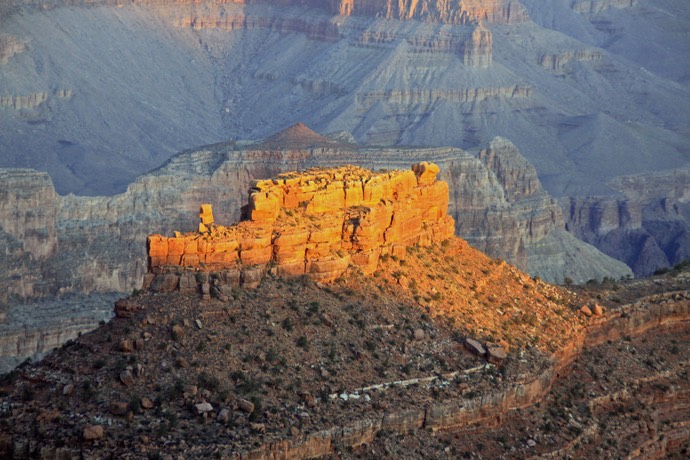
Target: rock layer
{"points": [[496, 201], [647, 227], [314, 223]]}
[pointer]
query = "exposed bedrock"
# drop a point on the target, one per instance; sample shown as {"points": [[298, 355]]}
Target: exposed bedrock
{"points": [[495, 198], [438, 11], [647, 227], [585, 98]]}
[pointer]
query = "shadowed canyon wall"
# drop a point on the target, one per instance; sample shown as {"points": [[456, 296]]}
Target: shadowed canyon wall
{"points": [[557, 82], [647, 227]]}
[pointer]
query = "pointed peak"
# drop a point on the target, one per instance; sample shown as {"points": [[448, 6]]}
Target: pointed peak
{"points": [[298, 135]]}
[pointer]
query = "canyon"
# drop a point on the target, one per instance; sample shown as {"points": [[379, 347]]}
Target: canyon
{"points": [[580, 89], [592, 182], [65, 246], [76, 244], [342, 316]]}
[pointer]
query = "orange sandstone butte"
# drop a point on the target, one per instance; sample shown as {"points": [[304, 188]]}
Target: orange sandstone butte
{"points": [[315, 223]]}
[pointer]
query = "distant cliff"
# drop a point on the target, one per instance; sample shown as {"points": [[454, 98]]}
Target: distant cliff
{"points": [[438, 11], [97, 243], [647, 226]]}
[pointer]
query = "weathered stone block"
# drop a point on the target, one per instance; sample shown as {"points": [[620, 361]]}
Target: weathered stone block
{"points": [[256, 256], [291, 269], [167, 282], [367, 261], [425, 172], [176, 246], [157, 246], [206, 214], [190, 260], [251, 277]]}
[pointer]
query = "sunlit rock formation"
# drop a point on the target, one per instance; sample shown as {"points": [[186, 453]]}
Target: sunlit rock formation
{"points": [[314, 223], [496, 200]]}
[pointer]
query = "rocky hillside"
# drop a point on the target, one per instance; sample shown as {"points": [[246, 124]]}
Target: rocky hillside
{"points": [[97, 243], [421, 358]]}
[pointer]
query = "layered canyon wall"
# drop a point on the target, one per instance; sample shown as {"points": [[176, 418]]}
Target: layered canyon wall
{"points": [[315, 223], [98, 242], [647, 226], [438, 11]]}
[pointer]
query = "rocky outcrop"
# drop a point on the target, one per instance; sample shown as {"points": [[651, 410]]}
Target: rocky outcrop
{"points": [[505, 197], [446, 12], [436, 11], [561, 63], [314, 223], [98, 242], [478, 49], [592, 7], [430, 97], [32, 330], [30, 101], [28, 215], [10, 46], [648, 227]]}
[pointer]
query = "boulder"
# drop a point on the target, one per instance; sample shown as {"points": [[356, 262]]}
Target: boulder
{"points": [[495, 354], [224, 415], [126, 377], [118, 408], [126, 346], [475, 347], [125, 308], [177, 331], [245, 406], [93, 432], [203, 408], [586, 311]]}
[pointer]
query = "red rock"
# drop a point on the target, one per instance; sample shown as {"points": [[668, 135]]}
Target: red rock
{"points": [[426, 172], [206, 214], [317, 222], [496, 355], [585, 310]]}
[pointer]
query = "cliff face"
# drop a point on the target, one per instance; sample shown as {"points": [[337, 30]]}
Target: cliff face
{"points": [[648, 227], [316, 223], [444, 72], [437, 11], [443, 11], [9, 46], [28, 215], [97, 242]]}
